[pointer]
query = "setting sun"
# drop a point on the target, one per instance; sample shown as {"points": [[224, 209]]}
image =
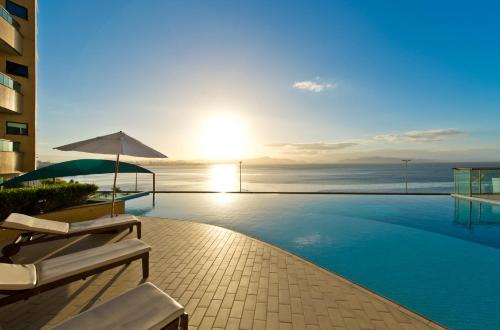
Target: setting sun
{"points": [[224, 137]]}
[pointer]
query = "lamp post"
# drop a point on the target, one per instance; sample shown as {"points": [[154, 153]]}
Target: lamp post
{"points": [[240, 175], [406, 161]]}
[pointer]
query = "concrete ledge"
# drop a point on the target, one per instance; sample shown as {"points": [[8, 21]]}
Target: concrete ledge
{"points": [[477, 199], [299, 192]]}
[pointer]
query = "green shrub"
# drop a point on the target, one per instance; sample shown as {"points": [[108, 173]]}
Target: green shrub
{"points": [[46, 198], [52, 181]]}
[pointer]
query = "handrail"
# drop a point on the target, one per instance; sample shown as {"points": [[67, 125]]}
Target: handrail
{"points": [[9, 82], [6, 16]]}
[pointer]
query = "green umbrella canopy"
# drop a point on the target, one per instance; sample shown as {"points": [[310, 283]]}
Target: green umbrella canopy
{"points": [[77, 167]]}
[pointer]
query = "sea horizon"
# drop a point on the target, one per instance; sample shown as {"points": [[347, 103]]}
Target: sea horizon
{"points": [[327, 178]]}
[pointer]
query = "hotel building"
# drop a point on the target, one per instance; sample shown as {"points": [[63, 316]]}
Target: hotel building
{"points": [[17, 87]]}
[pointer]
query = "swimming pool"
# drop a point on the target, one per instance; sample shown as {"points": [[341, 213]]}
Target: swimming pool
{"points": [[434, 254]]}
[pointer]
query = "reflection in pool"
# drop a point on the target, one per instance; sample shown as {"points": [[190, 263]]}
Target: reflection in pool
{"points": [[433, 254]]}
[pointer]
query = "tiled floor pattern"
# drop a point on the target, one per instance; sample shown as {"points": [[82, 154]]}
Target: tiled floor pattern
{"points": [[225, 280]]}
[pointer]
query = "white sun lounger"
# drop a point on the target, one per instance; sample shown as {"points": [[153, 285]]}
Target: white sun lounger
{"points": [[142, 308], [23, 281], [37, 230]]}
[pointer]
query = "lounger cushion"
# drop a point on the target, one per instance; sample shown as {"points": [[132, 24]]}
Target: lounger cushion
{"points": [[31, 224], [17, 277], [51, 270], [103, 222], [144, 307]]}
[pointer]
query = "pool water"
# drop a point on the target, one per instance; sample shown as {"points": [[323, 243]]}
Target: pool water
{"points": [[433, 254]]}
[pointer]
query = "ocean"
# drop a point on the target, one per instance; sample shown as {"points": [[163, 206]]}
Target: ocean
{"points": [[383, 178]]}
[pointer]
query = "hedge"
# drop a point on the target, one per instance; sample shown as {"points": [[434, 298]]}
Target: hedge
{"points": [[43, 198]]}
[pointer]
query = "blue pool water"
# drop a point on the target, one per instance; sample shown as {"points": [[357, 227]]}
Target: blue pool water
{"points": [[434, 254]]}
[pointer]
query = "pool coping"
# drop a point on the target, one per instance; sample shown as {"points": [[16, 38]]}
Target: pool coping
{"points": [[476, 199], [410, 312], [299, 192]]}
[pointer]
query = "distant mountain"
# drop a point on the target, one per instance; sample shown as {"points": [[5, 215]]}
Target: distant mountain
{"points": [[269, 161], [249, 161], [382, 160]]}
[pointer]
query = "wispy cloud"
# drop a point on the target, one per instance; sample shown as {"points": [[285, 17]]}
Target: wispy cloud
{"points": [[313, 86], [431, 135], [313, 147], [331, 149]]}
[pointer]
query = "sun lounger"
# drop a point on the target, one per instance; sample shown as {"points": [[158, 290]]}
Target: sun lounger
{"points": [[23, 281], [142, 308], [37, 230]]}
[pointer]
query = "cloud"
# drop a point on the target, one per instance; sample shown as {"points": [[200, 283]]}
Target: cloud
{"points": [[313, 147], [313, 86], [431, 135]]}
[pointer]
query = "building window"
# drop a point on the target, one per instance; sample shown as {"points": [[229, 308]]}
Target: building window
{"points": [[17, 128], [16, 9], [17, 69]]}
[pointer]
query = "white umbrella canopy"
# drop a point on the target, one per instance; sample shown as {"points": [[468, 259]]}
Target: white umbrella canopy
{"points": [[114, 144]]}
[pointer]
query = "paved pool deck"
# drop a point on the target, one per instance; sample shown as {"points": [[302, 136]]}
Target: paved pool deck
{"points": [[225, 280]]}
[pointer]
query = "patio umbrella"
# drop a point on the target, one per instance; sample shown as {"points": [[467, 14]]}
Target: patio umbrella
{"points": [[114, 144]]}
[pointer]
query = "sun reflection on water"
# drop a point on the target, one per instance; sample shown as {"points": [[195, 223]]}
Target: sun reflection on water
{"points": [[223, 178], [223, 198]]}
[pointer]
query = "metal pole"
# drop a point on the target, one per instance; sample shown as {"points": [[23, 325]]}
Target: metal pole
{"points": [[406, 161], [480, 188], [240, 176], [114, 185], [470, 214], [470, 183], [154, 188], [406, 177]]}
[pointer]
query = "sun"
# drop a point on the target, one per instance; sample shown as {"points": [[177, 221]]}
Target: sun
{"points": [[224, 137]]}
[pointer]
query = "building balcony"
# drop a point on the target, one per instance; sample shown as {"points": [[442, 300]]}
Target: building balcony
{"points": [[11, 40], [10, 160], [11, 99]]}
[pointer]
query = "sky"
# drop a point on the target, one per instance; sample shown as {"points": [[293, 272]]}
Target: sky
{"points": [[314, 81]]}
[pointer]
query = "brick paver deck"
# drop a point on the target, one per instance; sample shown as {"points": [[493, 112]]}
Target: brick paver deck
{"points": [[224, 279]]}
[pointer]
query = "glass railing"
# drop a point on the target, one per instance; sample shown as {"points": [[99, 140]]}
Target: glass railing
{"points": [[477, 181], [488, 181], [9, 82], [461, 179], [6, 145], [6, 16]]}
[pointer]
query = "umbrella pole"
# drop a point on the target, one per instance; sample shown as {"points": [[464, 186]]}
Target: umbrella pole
{"points": [[154, 188], [114, 186]]}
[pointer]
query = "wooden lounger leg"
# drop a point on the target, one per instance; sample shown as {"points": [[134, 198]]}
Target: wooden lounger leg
{"points": [[145, 265], [139, 231], [178, 324], [184, 322]]}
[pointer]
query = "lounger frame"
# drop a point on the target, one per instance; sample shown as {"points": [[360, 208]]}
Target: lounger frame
{"points": [[16, 295], [30, 238], [181, 323]]}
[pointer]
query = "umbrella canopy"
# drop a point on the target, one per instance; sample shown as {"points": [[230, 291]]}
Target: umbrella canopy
{"points": [[76, 167], [114, 144]]}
